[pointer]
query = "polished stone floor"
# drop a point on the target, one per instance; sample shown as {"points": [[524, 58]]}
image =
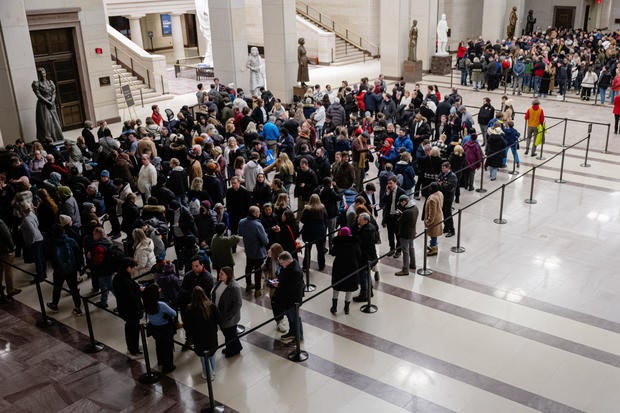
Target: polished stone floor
{"points": [[526, 319]]}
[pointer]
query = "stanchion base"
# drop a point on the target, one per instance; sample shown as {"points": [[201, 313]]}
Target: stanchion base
{"points": [[500, 221], [531, 201], [45, 322], [150, 378], [481, 190], [298, 357], [240, 328], [215, 409], [458, 250], [513, 173], [585, 165], [541, 158], [560, 181], [309, 288], [369, 308], [93, 348], [425, 271]]}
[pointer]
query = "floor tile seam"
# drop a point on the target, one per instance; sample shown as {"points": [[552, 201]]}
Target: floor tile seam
{"points": [[497, 323], [20, 314], [446, 368], [260, 340]]}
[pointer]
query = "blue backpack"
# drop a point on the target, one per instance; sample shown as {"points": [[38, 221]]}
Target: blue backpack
{"points": [[66, 256]]}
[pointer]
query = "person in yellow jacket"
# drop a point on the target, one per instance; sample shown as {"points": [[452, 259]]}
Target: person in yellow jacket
{"points": [[535, 117]]}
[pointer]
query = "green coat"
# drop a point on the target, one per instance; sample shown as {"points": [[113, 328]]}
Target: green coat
{"points": [[221, 250]]}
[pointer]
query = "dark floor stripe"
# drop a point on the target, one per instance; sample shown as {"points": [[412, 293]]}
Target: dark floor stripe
{"points": [[383, 391], [448, 369], [188, 398]]}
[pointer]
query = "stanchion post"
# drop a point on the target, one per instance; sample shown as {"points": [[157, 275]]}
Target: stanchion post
{"points": [[607, 138], [45, 321], [540, 157], [481, 189], [458, 248], [309, 287], [151, 376], [501, 219], [93, 346], [369, 307], [585, 163], [531, 200], [424, 270], [514, 159], [564, 134], [298, 354], [211, 408], [560, 180]]}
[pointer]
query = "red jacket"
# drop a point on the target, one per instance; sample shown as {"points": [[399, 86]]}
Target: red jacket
{"points": [[615, 84], [461, 52], [157, 118], [617, 105]]}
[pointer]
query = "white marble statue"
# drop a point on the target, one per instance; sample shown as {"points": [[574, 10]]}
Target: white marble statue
{"points": [[257, 71], [202, 11], [442, 36]]}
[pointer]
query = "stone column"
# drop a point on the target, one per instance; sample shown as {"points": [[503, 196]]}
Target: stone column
{"points": [[394, 36], [202, 40], [425, 12], [280, 37], [494, 20], [229, 42], [177, 36], [17, 72], [603, 15], [136, 30]]}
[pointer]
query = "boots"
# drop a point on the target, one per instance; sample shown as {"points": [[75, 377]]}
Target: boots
{"points": [[346, 307], [432, 251], [334, 305]]}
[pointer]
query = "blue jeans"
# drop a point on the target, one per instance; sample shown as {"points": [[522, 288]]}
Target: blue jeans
{"points": [[527, 82], [292, 322], [203, 362], [105, 284], [493, 171], [602, 92], [463, 77], [38, 250], [433, 242], [537, 82], [612, 95]]}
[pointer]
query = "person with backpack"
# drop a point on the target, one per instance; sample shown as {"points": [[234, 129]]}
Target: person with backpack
{"points": [[485, 114], [66, 258], [100, 264]]}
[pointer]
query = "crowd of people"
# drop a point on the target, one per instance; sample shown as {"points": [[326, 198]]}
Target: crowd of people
{"points": [[564, 59], [155, 215]]}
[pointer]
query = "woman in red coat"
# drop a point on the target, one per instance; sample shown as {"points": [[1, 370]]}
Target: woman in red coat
{"points": [[616, 113]]}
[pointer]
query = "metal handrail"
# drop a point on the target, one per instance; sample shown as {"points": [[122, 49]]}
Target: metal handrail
{"points": [[340, 30]]}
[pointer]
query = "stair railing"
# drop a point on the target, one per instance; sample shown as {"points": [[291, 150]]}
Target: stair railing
{"points": [[339, 29]]}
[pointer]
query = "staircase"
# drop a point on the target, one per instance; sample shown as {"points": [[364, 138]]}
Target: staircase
{"points": [[350, 47], [124, 77]]}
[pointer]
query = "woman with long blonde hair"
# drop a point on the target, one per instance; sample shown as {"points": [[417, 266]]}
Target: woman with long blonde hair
{"points": [[285, 170]]}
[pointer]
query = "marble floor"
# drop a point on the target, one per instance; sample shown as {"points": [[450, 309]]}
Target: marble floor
{"points": [[526, 319]]}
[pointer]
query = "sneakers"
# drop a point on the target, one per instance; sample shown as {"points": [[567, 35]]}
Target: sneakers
{"points": [[449, 234], [13, 292], [135, 356], [282, 328], [52, 308], [432, 251], [287, 338], [402, 273], [77, 312], [397, 254]]}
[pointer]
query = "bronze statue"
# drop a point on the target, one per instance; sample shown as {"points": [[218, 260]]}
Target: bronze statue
{"points": [[413, 41], [302, 61], [531, 21], [512, 23], [48, 125]]}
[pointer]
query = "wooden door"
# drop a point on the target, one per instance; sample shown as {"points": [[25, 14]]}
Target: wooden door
{"points": [[564, 17]]}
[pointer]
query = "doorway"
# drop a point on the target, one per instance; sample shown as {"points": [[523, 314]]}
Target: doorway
{"points": [[586, 17], [564, 16], [190, 30], [54, 50]]}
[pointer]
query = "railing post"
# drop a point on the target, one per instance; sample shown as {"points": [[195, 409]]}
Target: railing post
{"points": [[298, 354], [369, 307], [212, 408], [141, 98], [424, 270], [148, 77], [45, 321], [514, 159], [307, 248], [93, 346], [481, 189], [585, 163], [607, 138], [531, 199], [560, 180], [458, 249], [501, 219], [540, 157], [163, 89], [151, 376], [564, 134]]}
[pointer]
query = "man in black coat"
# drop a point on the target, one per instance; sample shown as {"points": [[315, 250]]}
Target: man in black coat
{"points": [[366, 232], [129, 305], [406, 232], [290, 290], [305, 184], [390, 208], [448, 182], [238, 201]]}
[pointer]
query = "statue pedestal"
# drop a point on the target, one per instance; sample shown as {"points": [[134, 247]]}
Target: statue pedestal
{"points": [[299, 91], [441, 65], [412, 71]]}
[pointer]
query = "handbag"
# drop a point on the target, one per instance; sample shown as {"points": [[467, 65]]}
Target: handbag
{"points": [[298, 245]]}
